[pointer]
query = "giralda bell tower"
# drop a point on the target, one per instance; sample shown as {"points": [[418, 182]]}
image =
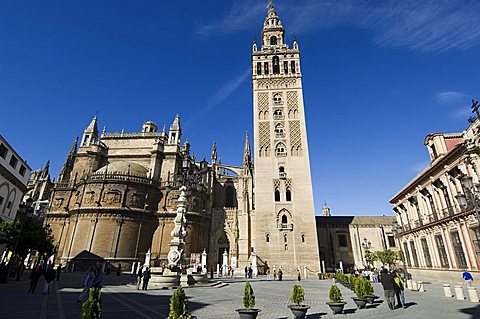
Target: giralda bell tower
{"points": [[284, 225]]}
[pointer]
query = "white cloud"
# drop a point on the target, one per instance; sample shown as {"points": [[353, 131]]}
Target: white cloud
{"points": [[449, 97], [221, 95], [428, 25], [462, 113]]}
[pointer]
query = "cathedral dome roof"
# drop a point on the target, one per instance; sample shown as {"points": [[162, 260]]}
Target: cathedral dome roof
{"points": [[125, 167]]}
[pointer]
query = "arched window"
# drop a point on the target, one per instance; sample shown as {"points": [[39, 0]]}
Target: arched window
{"points": [[273, 40], [267, 238], [229, 196], [284, 219], [303, 238], [277, 195], [278, 114], [279, 130], [285, 238], [277, 99], [280, 150], [286, 247], [276, 65], [288, 195], [281, 169]]}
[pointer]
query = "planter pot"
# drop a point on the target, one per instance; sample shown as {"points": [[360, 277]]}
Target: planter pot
{"points": [[337, 307], [246, 313], [361, 303], [371, 298], [299, 311]]}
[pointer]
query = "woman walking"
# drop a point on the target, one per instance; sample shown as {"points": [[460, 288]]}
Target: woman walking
{"points": [[399, 290]]}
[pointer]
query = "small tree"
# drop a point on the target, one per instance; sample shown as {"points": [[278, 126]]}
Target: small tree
{"points": [[370, 258], [367, 288], [248, 296], [298, 294], [92, 307], [388, 257], [178, 305], [359, 289], [335, 294]]}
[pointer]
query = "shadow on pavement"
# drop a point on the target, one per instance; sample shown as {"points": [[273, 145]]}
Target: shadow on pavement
{"points": [[474, 311], [316, 315]]}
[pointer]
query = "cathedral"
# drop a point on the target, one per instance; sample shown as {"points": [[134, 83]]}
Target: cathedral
{"points": [[115, 197]]}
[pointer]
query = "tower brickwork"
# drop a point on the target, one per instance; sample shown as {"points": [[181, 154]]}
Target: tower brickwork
{"points": [[284, 233]]}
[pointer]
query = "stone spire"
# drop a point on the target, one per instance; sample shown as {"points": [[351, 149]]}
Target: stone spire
{"points": [[273, 33], [175, 131], [247, 155], [68, 165], [45, 171], [326, 211], [90, 135], [214, 153]]}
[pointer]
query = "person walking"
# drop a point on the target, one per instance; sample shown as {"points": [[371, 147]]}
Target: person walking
{"points": [[298, 275], [280, 275], [86, 283], [35, 277], [97, 281], [49, 277], [59, 271], [388, 284], [146, 278], [467, 277], [274, 274], [399, 290], [246, 272], [119, 269], [250, 272]]}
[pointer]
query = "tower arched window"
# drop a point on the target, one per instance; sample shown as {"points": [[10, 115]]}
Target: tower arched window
{"points": [[280, 150], [273, 40], [284, 219], [285, 238], [303, 238], [288, 195], [279, 131], [259, 68], [278, 114], [267, 238], [277, 195], [276, 65], [277, 99]]}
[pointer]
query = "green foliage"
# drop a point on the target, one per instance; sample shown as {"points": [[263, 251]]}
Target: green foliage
{"points": [[248, 296], [178, 305], [30, 234], [388, 257], [298, 294], [367, 287], [335, 294], [92, 307], [359, 289], [370, 258]]}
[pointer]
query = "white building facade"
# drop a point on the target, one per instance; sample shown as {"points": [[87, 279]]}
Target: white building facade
{"points": [[14, 173], [438, 211]]}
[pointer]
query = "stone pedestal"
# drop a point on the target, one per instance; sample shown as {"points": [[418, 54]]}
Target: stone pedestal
{"points": [[414, 286], [447, 290], [420, 286], [459, 292], [163, 278], [473, 294], [409, 284]]}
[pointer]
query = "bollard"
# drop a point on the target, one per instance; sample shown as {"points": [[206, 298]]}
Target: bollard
{"points": [[472, 294], [447, 290], [414, 286], [420, 287], [459, 292], [409, 284]]}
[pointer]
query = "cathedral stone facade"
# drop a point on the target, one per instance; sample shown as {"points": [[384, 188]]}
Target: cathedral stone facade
{"points": [[115, 198]]}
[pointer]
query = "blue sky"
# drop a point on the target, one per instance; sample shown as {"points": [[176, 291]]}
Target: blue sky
{"points": [[378, 77]]}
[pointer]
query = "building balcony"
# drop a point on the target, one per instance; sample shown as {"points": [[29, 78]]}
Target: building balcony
{"points": [[285, 226], [280, 135], [278, 117], [282, 175]]}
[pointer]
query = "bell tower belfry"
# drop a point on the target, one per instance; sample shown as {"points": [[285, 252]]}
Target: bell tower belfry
{"points": [[284, 229]]}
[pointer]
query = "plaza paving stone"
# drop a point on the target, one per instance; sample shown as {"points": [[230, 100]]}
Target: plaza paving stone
{"points": [[121, 300]]}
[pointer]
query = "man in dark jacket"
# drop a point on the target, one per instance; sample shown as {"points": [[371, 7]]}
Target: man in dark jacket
{"points": [[388, 283]]}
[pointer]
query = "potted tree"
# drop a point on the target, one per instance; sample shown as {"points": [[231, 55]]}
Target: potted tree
{"points": [[360, 300], [336, 300], [297, 297], [178, 305], [92, 307], [368, 291], [248, 302]]}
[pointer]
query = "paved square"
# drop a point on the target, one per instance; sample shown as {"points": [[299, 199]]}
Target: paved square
{"points": [[121, 300]]}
